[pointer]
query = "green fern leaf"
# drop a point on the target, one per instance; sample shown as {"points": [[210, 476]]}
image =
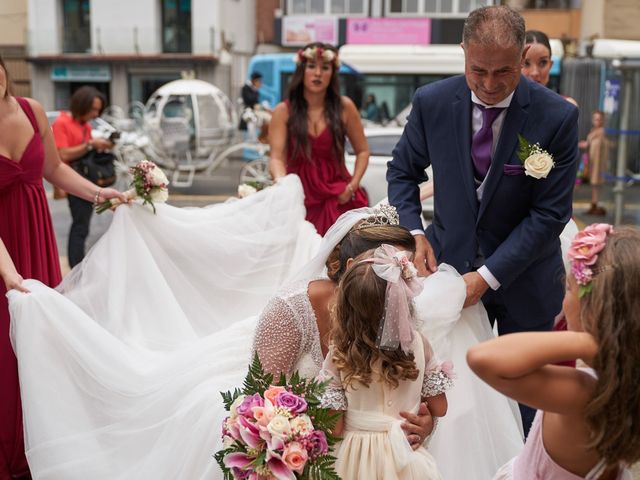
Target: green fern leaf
{"points": [[257, 380], [524, 148]]}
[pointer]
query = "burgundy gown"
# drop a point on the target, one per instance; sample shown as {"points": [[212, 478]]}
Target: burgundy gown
{"points": [[27, 232], [323, 178]]}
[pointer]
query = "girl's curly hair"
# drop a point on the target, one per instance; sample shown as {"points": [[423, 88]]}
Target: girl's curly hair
{"points": [[611, 313], [356, 319]]}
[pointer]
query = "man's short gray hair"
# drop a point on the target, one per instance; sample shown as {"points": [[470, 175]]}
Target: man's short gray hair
{"points": [[494, 26]]}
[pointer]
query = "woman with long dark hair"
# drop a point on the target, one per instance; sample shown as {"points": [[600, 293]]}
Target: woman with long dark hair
{"points": [[307, 137]]}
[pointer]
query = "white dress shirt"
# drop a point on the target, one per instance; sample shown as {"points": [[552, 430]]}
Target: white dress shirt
{"points": [[476, 125]]}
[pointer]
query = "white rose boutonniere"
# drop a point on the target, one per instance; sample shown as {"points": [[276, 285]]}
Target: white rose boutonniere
{"points": [[537, 162]]}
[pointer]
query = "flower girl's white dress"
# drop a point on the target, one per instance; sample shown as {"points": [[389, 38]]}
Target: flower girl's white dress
{"points": [[374, 446]]}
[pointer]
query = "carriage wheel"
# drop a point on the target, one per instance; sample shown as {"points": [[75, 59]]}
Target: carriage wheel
{"points": [[256, 171]]}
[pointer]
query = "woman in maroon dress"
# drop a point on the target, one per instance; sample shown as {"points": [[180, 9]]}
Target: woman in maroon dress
{"points": [[307, 137], [27, 242]]}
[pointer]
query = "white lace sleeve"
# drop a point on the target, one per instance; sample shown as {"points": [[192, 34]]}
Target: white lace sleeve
{"points": [[438, 376], [277, 339], [334, 396]]}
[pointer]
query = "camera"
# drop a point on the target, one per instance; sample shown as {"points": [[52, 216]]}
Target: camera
{"points": [[115, 135]]}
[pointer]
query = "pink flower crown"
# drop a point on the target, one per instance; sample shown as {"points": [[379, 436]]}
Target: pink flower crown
{"points": [[583, 254], [313, 53]]}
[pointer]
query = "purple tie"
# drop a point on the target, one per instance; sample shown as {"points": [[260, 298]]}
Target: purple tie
{"points": [[483, 141]]}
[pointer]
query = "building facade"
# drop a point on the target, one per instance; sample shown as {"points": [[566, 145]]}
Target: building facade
{"points": [[13, 25], [127, 49]]}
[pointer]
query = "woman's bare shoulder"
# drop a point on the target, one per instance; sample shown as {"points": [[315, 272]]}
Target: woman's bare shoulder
{"points": [[347, 103], [38, 111]]}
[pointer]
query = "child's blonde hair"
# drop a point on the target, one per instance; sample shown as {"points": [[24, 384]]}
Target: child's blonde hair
{"points": [[611, 313], [358, 311]]}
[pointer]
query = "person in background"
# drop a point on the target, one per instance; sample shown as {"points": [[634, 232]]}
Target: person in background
{"points": [[595, 146], [250, 95], [27, 241], [72, 136], [537, 61], [371, 110], [307, 138]]}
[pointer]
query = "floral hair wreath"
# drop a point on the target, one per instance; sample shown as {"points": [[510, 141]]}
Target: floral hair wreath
{"points": [[583, 254], [312, 53]]}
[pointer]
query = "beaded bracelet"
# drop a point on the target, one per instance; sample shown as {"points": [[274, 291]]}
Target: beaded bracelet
{"points": [[353, 193], [97, 196]]}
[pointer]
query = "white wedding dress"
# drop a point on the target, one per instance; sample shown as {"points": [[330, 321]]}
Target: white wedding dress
{"points": [[122, 365]]}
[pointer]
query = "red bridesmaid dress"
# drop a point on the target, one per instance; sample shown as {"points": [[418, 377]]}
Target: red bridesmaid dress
{"points": [[323, 177], [27, 232]]}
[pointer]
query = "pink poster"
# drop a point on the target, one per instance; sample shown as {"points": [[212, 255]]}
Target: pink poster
{"points": [[300, 30], [389, 31]]}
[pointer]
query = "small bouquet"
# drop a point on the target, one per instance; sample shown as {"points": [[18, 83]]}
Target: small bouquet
{"points": [[249, 188], [149, 183], [277, 431]]}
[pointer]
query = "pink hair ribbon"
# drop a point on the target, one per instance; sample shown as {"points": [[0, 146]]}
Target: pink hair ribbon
{"points": [[403, 284]]}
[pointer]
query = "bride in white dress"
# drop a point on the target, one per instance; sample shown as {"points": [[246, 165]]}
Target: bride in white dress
{"points": [[122, 365]]}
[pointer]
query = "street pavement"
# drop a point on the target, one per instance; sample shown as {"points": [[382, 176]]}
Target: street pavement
{"points": [[223, 183]]}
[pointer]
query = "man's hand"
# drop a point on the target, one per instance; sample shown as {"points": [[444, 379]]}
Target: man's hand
{"points": [[476, 286], [417, 427], [424, 259]]}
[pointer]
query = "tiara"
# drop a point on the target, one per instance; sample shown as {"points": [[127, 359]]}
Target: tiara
{"points": [[383, 215]]}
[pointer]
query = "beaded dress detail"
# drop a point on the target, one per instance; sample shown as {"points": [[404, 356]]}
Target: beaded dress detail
{"points": [[287, 337]]}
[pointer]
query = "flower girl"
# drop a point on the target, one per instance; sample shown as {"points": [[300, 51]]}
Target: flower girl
{"points": [[380, 365], [588, 422]]}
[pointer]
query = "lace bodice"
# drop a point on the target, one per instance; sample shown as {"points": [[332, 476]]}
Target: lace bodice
{"points": [[287, 337]]}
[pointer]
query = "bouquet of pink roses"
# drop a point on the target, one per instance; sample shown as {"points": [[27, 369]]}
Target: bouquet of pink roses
{"points": [[149, 183], [277, 431]]}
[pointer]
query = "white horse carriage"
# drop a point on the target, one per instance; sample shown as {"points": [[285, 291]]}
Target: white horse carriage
{"points": [[187, 126]]}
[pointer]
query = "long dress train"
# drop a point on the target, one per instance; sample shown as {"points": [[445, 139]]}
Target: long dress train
{"points": [[136, 345]]}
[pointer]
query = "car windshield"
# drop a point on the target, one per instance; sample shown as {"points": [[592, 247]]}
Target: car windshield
{"points": [[379, 145]]}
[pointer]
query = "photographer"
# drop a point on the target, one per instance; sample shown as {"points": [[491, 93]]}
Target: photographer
{"points": [[72, 135]]}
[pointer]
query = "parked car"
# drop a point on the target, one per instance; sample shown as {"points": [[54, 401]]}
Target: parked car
{"points": [[381, 141]]}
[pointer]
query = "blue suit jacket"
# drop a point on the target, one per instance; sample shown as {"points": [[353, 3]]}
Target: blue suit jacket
{"points": [[517, 223]]}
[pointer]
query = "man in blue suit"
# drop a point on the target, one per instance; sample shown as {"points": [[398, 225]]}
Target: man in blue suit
{"points": [[497, 218]]}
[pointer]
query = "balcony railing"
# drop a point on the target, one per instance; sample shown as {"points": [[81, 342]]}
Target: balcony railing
{"points": [[76, 40]]}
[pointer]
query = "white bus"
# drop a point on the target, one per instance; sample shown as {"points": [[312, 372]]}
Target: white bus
{"points": [[392, 73]]}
